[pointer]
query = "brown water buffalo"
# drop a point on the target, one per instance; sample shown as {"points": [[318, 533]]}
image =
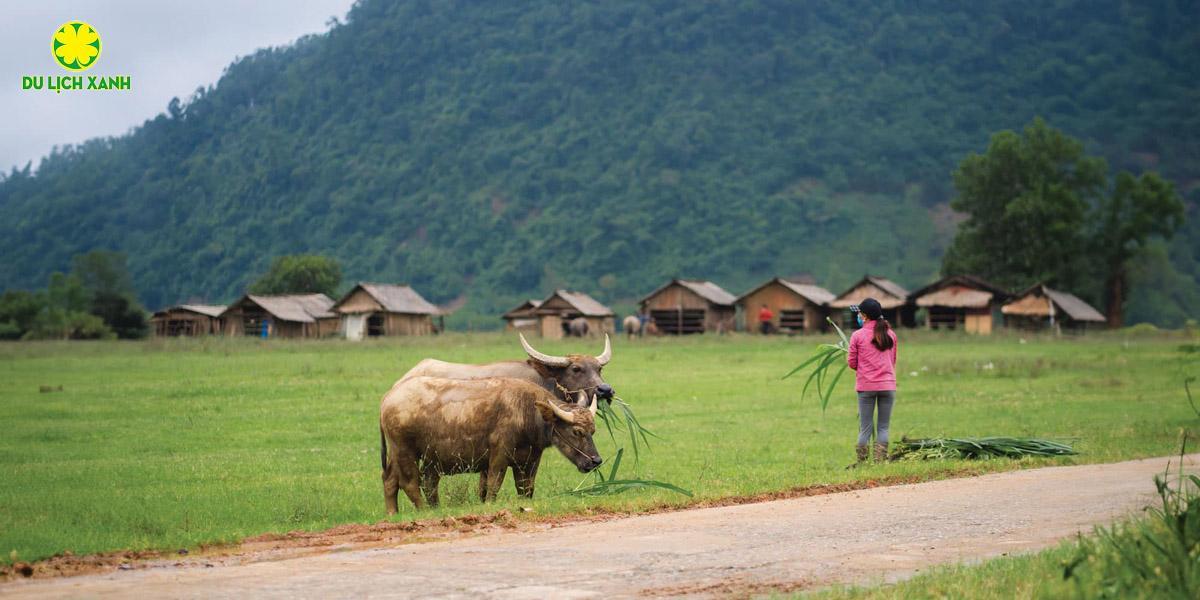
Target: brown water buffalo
{"points": [[561, 375], [432, 426], [578, 327]]}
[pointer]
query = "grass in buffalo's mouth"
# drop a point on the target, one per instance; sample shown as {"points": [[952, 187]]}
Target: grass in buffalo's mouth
{"points": [[611, 485], [171, 444], [622, 418]]}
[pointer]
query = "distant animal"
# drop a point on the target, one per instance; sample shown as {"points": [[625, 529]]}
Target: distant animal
{"points": [[578, 327], [632, 326], [429, 427], [562, 376], [651, 329]]}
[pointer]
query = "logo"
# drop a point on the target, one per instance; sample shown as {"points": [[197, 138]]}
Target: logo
{"points": [[76, 46]]}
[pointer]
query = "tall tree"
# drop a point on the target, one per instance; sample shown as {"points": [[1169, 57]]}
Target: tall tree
{"points": [[65, 314], [1138, 209], [1026, 200], [18, 311], [1039, 209], [300, 274], [105, 277]]}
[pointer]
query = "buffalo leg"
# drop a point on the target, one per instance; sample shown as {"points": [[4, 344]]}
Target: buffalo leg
{"points": [[408, 477], [495, 476], [391, 478], [524, 476], [429, 484]]}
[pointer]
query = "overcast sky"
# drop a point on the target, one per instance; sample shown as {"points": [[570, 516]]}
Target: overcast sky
{"points": [[168, 48]]}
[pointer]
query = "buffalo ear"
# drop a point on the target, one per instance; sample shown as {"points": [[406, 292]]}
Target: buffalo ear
{"points": [[546, 412], [551, 411]]}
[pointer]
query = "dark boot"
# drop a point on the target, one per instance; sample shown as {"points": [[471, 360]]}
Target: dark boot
{"points": [[881, 454], [860, 455]]}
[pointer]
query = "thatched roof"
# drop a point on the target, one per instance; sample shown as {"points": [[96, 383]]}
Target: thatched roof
{"points": [[1065, 302], [208, 310], [956, 296], [705, 289], [959, 291], [395, 299], [892, 294], [299, 308], [813, 293], [585, 304], [525, 309]]}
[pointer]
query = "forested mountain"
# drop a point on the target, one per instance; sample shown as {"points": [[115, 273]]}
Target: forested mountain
{"points": [[493, 150]]}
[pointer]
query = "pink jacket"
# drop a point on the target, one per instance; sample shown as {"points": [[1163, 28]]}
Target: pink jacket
{"points": [[875, 370]]}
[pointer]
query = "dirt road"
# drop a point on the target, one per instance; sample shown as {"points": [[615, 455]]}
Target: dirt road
{"points": [[871, 535]]}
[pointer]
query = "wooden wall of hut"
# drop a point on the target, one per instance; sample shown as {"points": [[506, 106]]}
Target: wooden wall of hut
{"points": [[793, 312], [554, 326], [678, 310], [248, 321], [970, 320], [184, 324]]}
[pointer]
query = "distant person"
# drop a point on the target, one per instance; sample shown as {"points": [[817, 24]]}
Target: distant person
{"points": [[644, 320], [764, 319], [872, 355]]}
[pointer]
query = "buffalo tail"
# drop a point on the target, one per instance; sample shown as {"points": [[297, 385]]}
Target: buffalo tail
{"points": [[382, 449]]}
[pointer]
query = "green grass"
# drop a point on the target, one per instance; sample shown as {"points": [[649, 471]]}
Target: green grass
{"points": [[177, 443], [1154, 555], [1037, 575]]}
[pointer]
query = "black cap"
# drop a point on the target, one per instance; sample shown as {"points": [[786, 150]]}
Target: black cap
{"points": [[871, 308]]}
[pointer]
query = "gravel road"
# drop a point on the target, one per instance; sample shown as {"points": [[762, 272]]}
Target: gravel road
{"points": [[881, 534]]}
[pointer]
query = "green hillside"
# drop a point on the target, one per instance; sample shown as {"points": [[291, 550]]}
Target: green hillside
{"points": [[493, 150]]}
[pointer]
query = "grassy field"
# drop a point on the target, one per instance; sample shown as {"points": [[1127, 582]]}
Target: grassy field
{"points": [[167, 444], [1037, 575]]}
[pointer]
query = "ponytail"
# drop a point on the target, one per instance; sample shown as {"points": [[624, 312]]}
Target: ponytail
{"points": [[882, 340]]}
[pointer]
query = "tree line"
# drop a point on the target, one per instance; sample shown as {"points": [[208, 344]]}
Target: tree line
{"points": [[1039, 209], [96, 299], [501, 149]]}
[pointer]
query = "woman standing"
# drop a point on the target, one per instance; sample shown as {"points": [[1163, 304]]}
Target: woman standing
{"points": [[872, 355]]}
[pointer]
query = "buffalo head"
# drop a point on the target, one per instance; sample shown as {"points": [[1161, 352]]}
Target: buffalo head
{"points": [[571, 429], [573, 373]]}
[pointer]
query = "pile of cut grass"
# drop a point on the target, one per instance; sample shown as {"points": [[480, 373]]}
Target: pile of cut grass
{"points": [[977, 448]]}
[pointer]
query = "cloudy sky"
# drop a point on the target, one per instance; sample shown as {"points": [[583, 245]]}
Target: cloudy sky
{"points": [[168, 48]]}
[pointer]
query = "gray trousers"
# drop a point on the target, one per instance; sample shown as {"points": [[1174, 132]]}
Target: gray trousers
{"points": [[867, 402]]}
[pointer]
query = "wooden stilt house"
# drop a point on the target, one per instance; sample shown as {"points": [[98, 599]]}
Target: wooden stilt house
{"points": [[891, 296], [522, 318], [185, 320], [961, 302], [556, 312], [384, 309], [1039, 307], [284, 316], [683, 306], [798, 307]]}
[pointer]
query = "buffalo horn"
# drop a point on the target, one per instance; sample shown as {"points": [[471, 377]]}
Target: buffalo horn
{"points": [[566, 415], [607, 354], [546, 359], [594, 406]]}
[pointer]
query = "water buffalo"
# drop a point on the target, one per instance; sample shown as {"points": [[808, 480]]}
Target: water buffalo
{"points": [[431, 426], [577, 327], [632, 326], [560, 375]]}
